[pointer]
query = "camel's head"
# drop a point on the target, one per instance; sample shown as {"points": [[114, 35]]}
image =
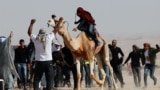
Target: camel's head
{"points": [[53, 21], [60, 27]]}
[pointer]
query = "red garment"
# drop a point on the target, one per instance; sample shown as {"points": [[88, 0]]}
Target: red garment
{"points": [[86, 15], [146, 44]]}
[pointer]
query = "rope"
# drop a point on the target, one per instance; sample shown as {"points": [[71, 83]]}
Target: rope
{"points": [[61, 47], [75, 17]]}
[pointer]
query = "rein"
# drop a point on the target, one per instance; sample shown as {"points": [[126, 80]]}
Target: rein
{"points": [[61, 47]]}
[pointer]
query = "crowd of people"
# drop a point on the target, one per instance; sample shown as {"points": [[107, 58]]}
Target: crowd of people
{"points": [[48, 63]]}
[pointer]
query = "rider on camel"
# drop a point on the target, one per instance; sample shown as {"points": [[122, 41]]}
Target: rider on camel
{"points": [[86, 24]]}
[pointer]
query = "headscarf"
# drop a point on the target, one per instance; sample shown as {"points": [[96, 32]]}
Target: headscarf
{"points": [[86, 15], [146, 44], [42, 36], [56, 47]]}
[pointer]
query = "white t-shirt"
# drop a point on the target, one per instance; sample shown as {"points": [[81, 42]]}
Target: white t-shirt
{"points": [[146, 55], [43, 53]]}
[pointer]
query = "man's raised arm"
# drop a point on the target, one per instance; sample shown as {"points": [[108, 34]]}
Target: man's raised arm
{"points": [[31, 26]]}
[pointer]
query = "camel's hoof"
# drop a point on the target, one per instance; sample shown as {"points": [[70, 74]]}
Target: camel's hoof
{"points": [[100, 83]]}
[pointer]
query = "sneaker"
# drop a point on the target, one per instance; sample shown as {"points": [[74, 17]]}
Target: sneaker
{"points": [[155, 81], [69, 84], [55, 88], [44, 88], [122, 85], [19, 86], [144, 87], [109, 88], [25, 88]]}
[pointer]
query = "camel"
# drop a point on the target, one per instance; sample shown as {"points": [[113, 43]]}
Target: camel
{"points": [[84, 47]]}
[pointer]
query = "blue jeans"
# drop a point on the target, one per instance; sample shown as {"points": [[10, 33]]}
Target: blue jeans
{"points": [[149, 68], [88, 80], [22, 71], [106, 69]]}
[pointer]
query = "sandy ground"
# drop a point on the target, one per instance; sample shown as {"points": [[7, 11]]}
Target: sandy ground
{"points": [[129, 84]]}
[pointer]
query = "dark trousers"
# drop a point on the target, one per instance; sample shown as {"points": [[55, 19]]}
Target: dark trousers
{"points": [[66, 72], [74, 72], [43, 67], [118, 73], [137, 75], [58, 77]]}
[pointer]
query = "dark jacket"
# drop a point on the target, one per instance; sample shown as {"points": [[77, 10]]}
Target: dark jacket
{"points": [[152, 54], [82, 26], [68, 57]]}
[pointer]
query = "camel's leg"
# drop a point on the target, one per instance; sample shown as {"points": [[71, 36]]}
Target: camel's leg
{"points": [[92, 74], [100, 66], [107, 62], [78, 75], [112, 76]]}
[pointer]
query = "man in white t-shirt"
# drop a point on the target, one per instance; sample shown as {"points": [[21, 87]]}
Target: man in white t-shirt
{"points": [[43, 55]]}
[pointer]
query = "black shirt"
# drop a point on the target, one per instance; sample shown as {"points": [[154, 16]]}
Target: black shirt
{"points": [[115, 55], [135, 58], [21, 55]]}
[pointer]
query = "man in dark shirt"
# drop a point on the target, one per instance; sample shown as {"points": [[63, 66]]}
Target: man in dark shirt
{"points": [[135, 57], [21, 63], [116, 61]]}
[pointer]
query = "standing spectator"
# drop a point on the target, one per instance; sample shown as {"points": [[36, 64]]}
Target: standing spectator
{"points": [[106, 69], [116, 61], [88, 81], [43, 55], [31, 57], [21, 62], [7, 69], [69, 62], [58, 64], [149, 56], [135, 57]]}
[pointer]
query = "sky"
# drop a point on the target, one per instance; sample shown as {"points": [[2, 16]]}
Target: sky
{"points": [[114, 18]]}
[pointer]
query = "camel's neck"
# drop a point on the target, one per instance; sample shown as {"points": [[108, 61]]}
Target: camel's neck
{"points": [[71, 43]]}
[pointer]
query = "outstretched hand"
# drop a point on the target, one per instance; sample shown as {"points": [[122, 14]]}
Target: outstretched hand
{"points": [[11, 34], [33, 21], [75, 22], [157, 46]]}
